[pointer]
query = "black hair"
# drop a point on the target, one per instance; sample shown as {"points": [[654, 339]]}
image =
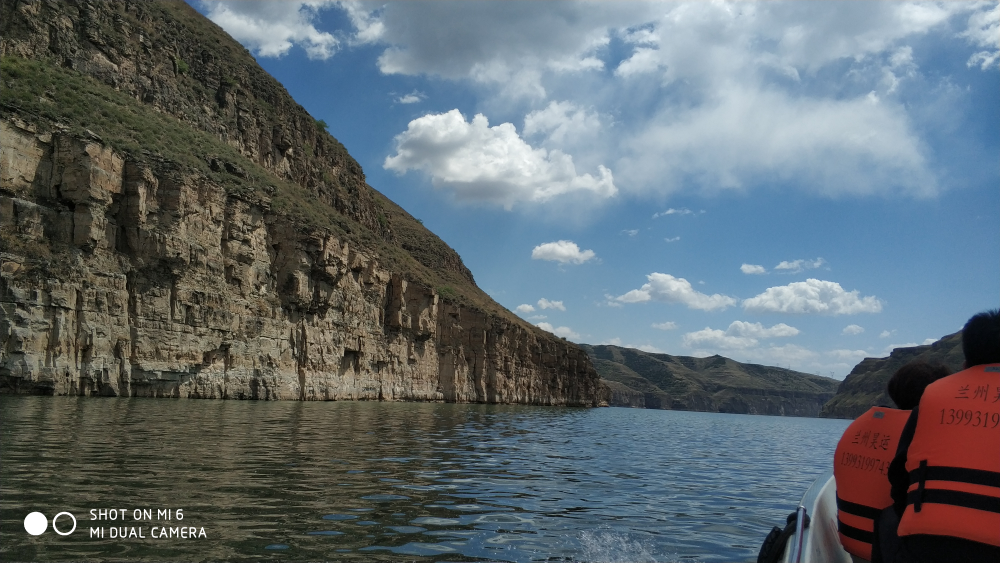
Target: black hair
{"points": [[908, 383], [981, 339]]}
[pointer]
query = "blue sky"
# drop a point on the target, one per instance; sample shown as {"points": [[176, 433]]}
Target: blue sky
{"points": [[799, 184]]}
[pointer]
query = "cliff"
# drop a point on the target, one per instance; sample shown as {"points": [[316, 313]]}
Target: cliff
{"points": [[715, 384], [865, 386], [173, 224]]}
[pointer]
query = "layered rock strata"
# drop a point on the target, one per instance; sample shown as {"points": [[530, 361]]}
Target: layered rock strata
{"points": [[185, 229], [166, 286]]}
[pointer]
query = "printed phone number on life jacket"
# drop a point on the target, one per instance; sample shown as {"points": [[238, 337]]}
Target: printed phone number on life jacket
{"points": [[968, 417], [864, 463]]}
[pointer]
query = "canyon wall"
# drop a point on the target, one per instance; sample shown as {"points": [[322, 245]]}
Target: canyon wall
{"points": [[130, 271]]}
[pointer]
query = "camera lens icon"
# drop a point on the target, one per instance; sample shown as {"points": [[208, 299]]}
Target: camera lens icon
{"points": [[36, 523]]}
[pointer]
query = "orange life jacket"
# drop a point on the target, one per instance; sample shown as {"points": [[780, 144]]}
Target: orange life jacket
{"points": [[861, 468], [954, 459]]}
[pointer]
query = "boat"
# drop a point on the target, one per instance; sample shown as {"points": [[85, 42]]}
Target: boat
{"points": [[811, 533]]}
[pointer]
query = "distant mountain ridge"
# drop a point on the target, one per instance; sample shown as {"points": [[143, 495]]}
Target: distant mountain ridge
{"points": [[864, 387], [714, 384]]}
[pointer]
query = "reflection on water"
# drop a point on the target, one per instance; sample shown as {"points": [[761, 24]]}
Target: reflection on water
{"points": [[391, 481]]}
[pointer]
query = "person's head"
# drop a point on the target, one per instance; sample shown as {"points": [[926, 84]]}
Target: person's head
{"points": [[981, 339], [908, 383]]}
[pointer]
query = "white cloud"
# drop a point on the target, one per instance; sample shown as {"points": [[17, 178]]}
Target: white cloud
{"points": [[796, 266], [563, 331], [411, 98], [546, 304], [667, 288], [743, 136], [853, 330], [562, 251], [538, 317], [984, 31], [272, 28], [928, 341], [812, 297], [631, 232], [509, 46], [739, 336], [753, 269], [492, 164], [887, 333], [525, 308], [849, 355], [561, 123], [672, 211], [669, 325], [672, 239], [731, 94]]}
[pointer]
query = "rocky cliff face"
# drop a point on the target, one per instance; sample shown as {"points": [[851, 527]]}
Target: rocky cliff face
{"points": [[865, 386], [192, 232], [715, 384]]}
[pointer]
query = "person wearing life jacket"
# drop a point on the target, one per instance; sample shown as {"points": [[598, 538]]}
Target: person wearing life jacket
{"points": [[863, 455], [945, 477]]}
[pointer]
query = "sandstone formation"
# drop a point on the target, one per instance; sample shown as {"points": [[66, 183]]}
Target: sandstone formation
{"points": [[173, 224], [715, 384], [865, 386]]}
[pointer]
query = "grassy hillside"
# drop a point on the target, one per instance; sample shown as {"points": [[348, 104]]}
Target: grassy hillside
{"points": [[864, 387], [714, 384]]}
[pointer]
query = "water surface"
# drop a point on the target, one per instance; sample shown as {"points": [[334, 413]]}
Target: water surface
{"points": [[400, 481]]}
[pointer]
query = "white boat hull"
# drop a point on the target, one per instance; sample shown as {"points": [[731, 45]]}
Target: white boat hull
{"points": [[819, 542]]}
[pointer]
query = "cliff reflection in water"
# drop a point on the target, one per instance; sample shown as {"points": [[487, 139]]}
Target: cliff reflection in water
{"points": [[368, 480]]}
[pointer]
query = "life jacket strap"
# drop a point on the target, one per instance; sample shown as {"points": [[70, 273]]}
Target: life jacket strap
{"points": [[857, 534], [921, 479], [954, 498], [957, 474], [862, 510]]}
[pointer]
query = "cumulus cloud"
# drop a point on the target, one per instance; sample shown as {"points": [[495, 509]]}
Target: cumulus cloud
{"points": [[525, 308], [490, 164], [886, 333], [672, 211], [562, 251], [853, 330], [544, 303], [667, 288], [630, 232], [739, 137], [561, 123], [411, 98], [669, 325], [725, 95], [848, 355], [984, 31], [672, 239], [272, 28], [739, 336], [753, 269], [563, 331], [796, 266], [812, 297]]}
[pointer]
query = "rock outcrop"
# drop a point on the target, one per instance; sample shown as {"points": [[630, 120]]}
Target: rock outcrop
{"points": [[192, 232], [865, 386], [715, 384]]}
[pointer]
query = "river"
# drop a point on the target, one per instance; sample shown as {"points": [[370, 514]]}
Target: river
{"points": [[396, 481]]}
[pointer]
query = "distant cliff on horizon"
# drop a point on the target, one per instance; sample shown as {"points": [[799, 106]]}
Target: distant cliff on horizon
{"points": [[174, 224], [714, 384], [865, 386]]}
